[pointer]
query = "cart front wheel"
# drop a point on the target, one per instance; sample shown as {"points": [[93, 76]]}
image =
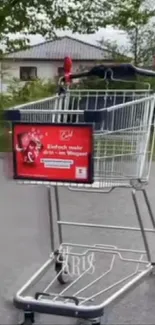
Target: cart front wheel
{"points": [[28, 318], [64, 276], [96, 321], [62, 268], [27, 322]]}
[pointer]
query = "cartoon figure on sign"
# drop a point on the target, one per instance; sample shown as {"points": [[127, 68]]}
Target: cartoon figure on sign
{"points": [[30, 154], [29, 149]]}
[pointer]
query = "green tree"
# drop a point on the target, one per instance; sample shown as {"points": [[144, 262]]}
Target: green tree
{"points": [[126, 54], [142, 44], [135, 18], [45, 17], [117, 53]]}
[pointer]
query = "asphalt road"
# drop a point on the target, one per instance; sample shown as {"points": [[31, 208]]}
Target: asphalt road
{"points": [[25, 244]]}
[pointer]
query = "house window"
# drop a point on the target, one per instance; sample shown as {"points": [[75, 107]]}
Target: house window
{"points": [[60, 71], [28, 73]]}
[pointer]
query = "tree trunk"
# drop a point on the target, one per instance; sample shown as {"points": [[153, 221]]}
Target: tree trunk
{"points": [[136, 47]]}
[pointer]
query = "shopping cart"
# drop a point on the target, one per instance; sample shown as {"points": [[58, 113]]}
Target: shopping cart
{"points": [[114, 127]]}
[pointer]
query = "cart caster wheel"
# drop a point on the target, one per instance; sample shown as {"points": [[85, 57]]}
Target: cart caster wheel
{"points": [[89, 322], [28, 319], [62, 268], [27, 322], [96, 322], [64, 277]]}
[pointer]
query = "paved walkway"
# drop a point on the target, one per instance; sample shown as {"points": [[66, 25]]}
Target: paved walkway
{"points": [[24, 243]]}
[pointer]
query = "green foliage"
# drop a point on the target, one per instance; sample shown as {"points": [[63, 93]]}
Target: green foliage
{"points": [[142, 44], [117, 53], [17, 94], [128, 14], [97, 83], [45, 17], [30, 91], [135, 18]]}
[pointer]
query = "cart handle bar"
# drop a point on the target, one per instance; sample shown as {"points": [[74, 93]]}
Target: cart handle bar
{"points": [[113, 71]]}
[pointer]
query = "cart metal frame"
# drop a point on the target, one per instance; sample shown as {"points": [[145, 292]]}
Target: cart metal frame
{"points": [[75, 305]]}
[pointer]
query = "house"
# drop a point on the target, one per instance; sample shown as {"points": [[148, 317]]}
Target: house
{"points": [[45, 60]]}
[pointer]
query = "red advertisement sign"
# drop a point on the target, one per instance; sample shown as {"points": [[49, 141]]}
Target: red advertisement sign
{"points": [[53, 152]]}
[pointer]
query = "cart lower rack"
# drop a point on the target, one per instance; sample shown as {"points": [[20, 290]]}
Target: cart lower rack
{"points": [[90, 148], [83, 285]]}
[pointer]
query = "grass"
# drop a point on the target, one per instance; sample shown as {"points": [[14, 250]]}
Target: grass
{"points": [[118, 146], [102, 146], [110, 147]]}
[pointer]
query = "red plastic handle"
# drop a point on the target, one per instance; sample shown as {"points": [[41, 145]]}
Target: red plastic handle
{"points": [[68, 64]]}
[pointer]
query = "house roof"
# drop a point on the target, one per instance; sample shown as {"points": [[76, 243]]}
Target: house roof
{"points": [[61, 47]]}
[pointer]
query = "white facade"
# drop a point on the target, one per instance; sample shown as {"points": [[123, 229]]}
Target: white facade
{"points": [[45, 69]]}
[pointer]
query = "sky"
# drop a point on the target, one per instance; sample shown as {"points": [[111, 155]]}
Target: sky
{"points": [[108, 33]]}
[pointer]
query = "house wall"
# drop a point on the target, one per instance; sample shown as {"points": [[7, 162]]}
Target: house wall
{"points": [[45, 69]]}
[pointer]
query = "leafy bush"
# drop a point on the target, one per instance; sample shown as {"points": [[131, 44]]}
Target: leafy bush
{"points": [[20, 94], [97, 83], [30, 91]]}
